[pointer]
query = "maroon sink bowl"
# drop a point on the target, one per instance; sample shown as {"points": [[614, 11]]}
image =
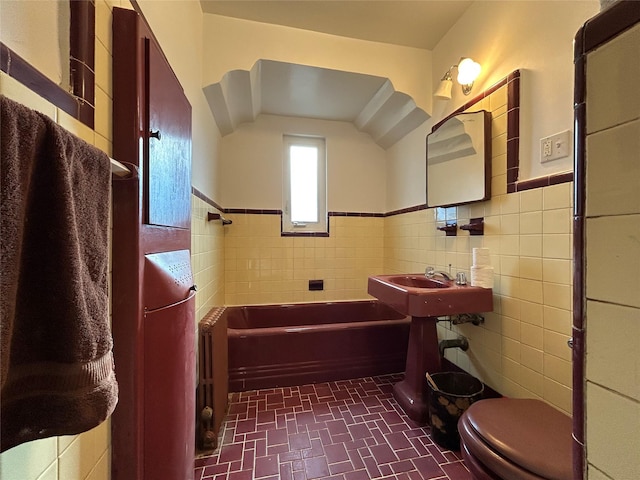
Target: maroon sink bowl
{"points": [[417, 281], [419, 296]]}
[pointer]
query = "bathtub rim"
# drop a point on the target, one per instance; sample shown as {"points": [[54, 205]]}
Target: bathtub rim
{"points": [[258, 331]]}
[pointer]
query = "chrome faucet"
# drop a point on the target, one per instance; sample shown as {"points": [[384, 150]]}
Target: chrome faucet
{"points": [[430, 273]]}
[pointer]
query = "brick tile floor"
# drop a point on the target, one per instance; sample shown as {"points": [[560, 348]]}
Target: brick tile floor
{"points": [[345, 430]]}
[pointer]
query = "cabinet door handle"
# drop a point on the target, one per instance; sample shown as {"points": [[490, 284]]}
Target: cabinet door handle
{"points": [[155, 134], [191, 294]]}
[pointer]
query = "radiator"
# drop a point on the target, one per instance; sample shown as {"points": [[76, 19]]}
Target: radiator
{"points": [[213, 378]]}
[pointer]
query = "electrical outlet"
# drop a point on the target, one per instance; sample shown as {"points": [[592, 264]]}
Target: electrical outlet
{"points": [[555, 146]]}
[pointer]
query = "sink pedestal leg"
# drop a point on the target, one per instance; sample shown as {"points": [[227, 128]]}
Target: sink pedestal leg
{"points": [[422, 357]]}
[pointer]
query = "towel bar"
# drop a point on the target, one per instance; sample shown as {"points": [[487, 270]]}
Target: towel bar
{"points": [[217, 216], [118, 168]]}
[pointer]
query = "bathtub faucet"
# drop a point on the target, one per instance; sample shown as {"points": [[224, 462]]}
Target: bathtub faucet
{"points": [[430, 273]]}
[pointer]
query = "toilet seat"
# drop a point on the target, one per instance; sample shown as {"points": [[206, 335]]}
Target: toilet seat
{"points": [[479, 472], [516, 439]]}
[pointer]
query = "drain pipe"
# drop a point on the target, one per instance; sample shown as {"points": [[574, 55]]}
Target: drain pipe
{"points": [[460, 342]]}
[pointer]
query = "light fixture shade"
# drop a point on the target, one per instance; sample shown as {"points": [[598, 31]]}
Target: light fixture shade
{"points": [[444, 89], [468, 71]]}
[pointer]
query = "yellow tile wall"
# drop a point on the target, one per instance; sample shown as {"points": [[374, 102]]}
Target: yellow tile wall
{"points": [[521, 349], [612, 277], [207, 257], [263, 267]]}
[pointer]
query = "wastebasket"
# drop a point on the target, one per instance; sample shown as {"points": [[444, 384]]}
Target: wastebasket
{"points": [[450, 394]]}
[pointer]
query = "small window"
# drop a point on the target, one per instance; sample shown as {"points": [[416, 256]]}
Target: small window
{"points": [[305, 188]]}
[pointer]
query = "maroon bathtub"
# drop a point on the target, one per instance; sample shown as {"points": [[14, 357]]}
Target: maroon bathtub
{"points": [[284, 345]]}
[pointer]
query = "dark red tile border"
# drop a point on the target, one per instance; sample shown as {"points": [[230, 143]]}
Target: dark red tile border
{"points": [[406, 210], [559, 178], [513, 123], [16, 67], [83, 14], [82, 53], [253, 211], [206, 199], [479, 97], [259, 211], [513, 131], [608, 23], [512, 175], [578, 336], [533, 183], [544, 181], [578, 271], [304, 234], [356, 214]]}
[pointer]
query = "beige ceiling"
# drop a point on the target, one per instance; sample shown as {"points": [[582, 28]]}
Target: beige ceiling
{"points": [[413, 23]]}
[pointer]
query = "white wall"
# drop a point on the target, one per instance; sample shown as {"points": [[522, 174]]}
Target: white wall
{"points": [[26, 26], [232, 44], [251, 164], [178, 26], [535, 37], [406, 170]]}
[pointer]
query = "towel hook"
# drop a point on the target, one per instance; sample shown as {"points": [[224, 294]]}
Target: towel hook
{"points": [[155, 134], [475, 226]]}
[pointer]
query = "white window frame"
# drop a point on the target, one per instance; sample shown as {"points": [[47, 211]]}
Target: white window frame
{"points": [[322, 225]]}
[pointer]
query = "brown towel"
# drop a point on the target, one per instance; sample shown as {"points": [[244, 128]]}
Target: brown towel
{"points": [[56, 362]]}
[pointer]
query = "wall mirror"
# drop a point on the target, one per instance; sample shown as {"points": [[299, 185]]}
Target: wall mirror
{"points": [[459, 160]]}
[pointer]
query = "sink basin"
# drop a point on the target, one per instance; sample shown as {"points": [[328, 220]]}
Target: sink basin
{"points": [[419, 281], [419, 296]]}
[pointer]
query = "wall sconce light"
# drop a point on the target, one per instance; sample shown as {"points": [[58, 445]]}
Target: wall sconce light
{"points": [[468, 71]]}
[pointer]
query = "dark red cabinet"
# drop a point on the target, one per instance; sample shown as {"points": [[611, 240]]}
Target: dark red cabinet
{"points": [[169, 161], [169, 366]]}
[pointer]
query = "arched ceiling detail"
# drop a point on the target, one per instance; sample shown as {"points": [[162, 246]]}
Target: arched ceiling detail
{"points": [[278, 88]]}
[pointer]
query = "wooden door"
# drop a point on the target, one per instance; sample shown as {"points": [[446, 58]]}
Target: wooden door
{"points": [[152, 302]]}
